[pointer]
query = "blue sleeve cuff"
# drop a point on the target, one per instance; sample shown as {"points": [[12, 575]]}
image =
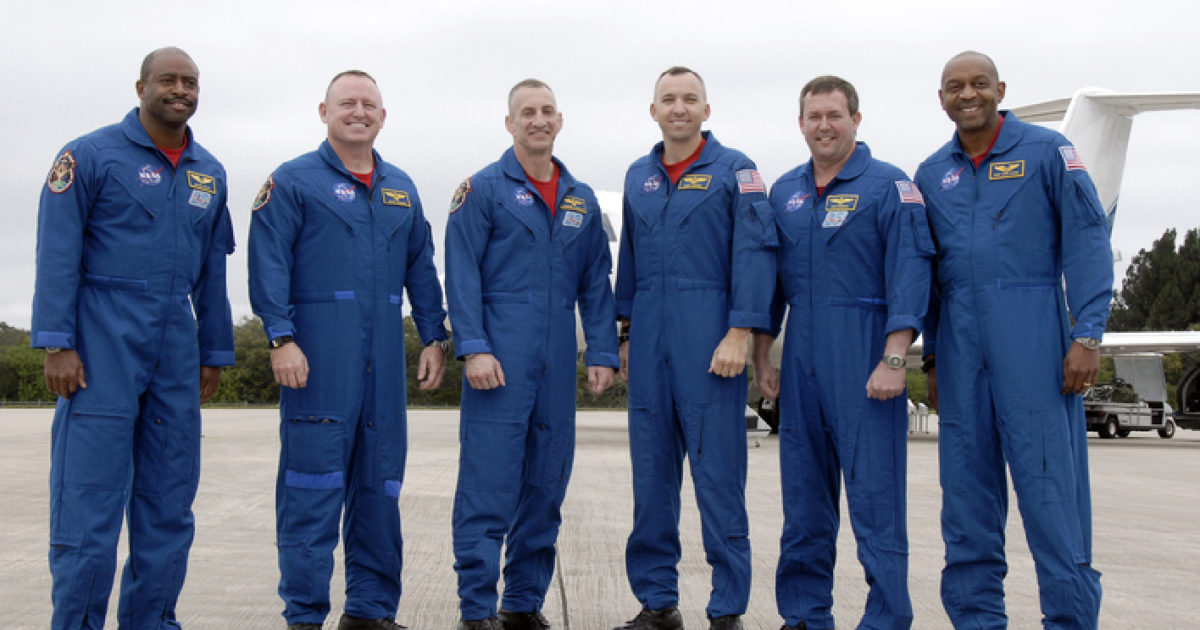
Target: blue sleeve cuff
{"points": [[603, 359], [903, 322], [749, 319], [624, 309], [52, 339], [1082, 329], [217, 358], [472, 346], [273, 332]]}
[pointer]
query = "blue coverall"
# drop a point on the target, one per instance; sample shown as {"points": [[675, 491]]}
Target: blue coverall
{"points": [[330, 259], [697, 258], [1008, 232], [854, 266], [513, 277], [131, 274]]}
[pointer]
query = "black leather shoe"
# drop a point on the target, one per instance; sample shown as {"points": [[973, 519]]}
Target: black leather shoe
{"points": [[358, 623], [491, 623], [304, 626], [726, 622], [799, 626], [510, 620], [661, 619]]}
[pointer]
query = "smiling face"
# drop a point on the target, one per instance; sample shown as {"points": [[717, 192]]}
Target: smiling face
{"points": [[170, 89], [353, 111], [828, 126], [971, 92], [533, 120], [680, 106]]}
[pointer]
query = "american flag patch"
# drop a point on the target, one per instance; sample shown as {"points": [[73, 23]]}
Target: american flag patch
{"points": [[909, 193], [750, 181], [1070, 155]]}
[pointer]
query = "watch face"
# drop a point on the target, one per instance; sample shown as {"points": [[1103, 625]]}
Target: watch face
{"points": [[896, 361]]}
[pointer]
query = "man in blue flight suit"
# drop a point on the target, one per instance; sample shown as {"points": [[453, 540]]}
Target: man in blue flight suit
{"points": [[1013, 213], [336, 237], [854, 267], [524, 243], [131, 307], [696, 274]]}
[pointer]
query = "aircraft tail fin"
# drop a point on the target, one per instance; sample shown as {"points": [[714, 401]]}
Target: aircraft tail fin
{"points": [[1098, 122]]}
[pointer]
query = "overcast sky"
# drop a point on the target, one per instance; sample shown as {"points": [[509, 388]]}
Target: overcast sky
{"points": [[445, 67]]}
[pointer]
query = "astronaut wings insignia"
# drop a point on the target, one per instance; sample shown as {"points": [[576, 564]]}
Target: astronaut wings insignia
{"points": [[395, 197], [1006, 170], [202, 182]]}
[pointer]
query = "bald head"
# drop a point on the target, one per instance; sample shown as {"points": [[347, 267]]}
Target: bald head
{"points": [[971, 55], [148, 62]]}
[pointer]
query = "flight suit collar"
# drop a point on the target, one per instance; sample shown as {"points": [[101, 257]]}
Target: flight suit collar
{"points": [[132, 127], [534, 217], [711, 148], [1010, 135], [331, 158]]}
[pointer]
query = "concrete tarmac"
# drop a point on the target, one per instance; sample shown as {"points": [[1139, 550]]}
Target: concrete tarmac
{"points": [[1146, 516]]}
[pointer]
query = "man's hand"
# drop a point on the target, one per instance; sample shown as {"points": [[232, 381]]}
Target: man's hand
{"points": [[766, 377], [600, 378], [431, 368], [1079, 369], [931, 387], [290, 366], [483, 371], [64, 372], [729, 359], [210, 380], [885, 382], [623, 354]]}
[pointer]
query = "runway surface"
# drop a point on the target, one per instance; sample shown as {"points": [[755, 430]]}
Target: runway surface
{"points": [[1144, 493]]}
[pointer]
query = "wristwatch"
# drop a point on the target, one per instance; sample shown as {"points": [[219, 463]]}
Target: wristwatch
{"points": [[52, 349], [895, 361], [444, 344], [281, 341], [1091, 343]]}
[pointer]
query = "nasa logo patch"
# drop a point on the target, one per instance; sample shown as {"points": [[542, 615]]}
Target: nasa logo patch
{"points": [[652, 183], [523, 197], [150, 176], [62, 174], [344, 192], [950, 179], [572, 219], [796, 201], [200, 199]]}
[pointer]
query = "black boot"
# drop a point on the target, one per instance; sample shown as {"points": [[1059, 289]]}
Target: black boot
{"points": [[661, 619], [358, 623], [491, 623], [726, 622], [510, 620]]}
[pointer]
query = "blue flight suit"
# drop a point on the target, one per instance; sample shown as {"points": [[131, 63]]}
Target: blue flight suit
{"points": [[854, 266], [330, 259], [513, 277], [131, 274], [1008, 233], [697, 258]]}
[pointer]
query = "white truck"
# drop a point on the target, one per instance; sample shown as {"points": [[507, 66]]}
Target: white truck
{"points": [[1134, 401]]}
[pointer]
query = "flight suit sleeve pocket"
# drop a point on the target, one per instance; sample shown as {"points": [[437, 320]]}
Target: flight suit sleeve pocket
{"points": [[1088, 206], [922, 237], [764, 216]]}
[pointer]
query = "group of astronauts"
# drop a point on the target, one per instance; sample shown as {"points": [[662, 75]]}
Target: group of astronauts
{"points": [[132, 309]]}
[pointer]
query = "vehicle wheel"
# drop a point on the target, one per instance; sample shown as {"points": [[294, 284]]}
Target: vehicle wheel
{"points": [[1168, 430], [1122, 432], [1109, 430]]}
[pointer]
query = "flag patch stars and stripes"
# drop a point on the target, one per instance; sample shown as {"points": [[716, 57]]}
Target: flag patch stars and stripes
{"points": [[909, 193], [1070, 155], [750, 181]]}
